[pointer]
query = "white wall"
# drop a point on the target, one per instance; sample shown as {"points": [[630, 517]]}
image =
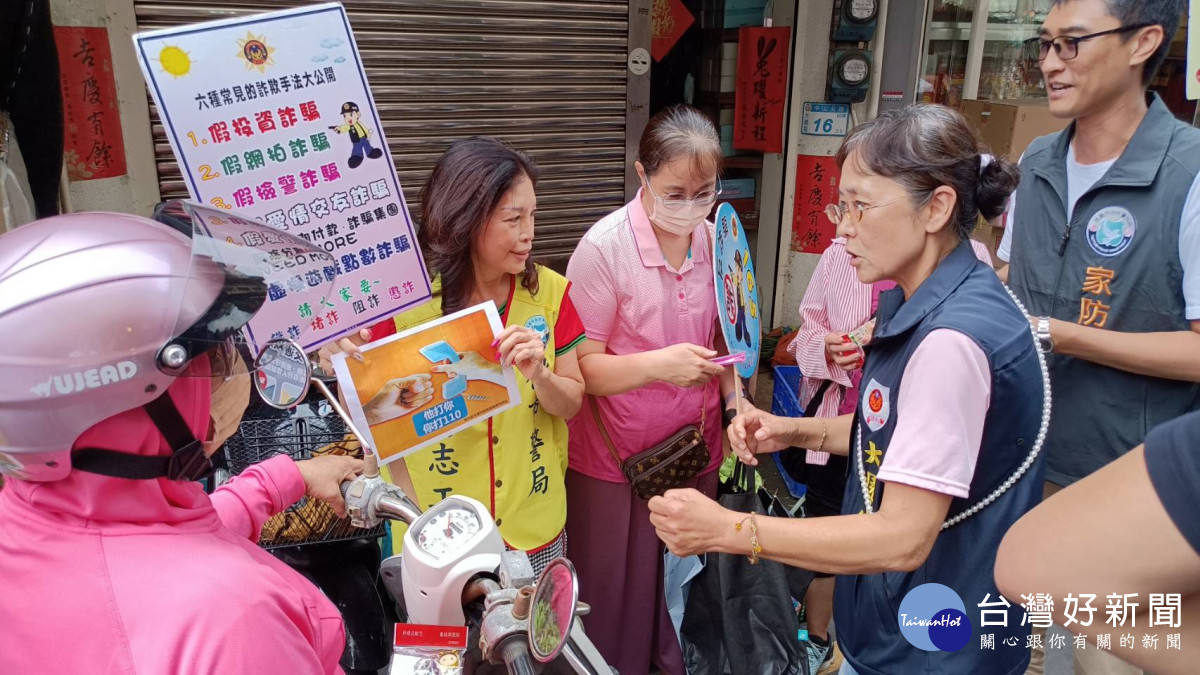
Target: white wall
{"points": [[137, 191], [810, 68], [774, 223]]}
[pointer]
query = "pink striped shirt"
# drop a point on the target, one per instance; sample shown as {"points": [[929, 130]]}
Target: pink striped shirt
{"points": [[835, 302], [630, 298]]}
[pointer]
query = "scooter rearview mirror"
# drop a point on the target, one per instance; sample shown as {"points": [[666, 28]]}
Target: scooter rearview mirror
{"points": [[282, 374], [553, 610]]}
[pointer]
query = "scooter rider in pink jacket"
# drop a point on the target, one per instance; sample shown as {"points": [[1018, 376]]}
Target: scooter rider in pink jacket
{"points": [[117, 381]]}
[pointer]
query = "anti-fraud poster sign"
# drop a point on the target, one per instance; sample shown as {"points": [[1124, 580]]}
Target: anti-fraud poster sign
{"points": [[271, 116], [423, 385], [736, 289]]}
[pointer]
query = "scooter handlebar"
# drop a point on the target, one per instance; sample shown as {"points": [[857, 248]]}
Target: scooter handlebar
{"points": [[517, 659], [368, 499]]}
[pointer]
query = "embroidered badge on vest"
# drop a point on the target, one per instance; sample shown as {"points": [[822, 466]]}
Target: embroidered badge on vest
{"points": [[877, 406], [538, 324], [1110, 230]]}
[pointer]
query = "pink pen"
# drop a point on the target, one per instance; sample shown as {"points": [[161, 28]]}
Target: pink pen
{"points": [[729, 359]]}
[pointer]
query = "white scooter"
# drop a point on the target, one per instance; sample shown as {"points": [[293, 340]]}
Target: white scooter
{"points": [[454, 563], [454, 558]]}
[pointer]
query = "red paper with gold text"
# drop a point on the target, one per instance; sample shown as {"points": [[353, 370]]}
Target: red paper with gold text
{"points": [[669, 20]]}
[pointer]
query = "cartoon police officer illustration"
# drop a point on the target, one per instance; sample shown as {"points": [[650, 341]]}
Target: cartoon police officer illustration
{"points": [[741, 329], [359, 134]]}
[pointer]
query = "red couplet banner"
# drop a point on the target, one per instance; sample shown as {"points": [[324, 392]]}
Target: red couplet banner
{"points": [[93, 146], [816, 186], [762, 69]]}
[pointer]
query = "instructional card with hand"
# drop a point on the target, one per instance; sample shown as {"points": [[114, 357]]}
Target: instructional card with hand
{"points": [[424, 384]]}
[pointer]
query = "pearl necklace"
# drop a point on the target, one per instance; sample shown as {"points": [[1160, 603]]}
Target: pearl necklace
{"points": [[1012, 480]]}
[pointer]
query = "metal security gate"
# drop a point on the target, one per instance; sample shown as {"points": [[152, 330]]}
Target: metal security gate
{"points": [[548, 76]]}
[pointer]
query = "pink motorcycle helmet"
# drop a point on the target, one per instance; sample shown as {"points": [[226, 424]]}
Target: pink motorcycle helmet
{"points": [[100, 312]]}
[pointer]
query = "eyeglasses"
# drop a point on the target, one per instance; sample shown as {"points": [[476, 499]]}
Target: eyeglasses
{"points": [[1066, 47], [675, 201], [836, 212]]}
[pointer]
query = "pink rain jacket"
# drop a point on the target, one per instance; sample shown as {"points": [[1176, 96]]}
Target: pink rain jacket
{"points": [[108, 575]]}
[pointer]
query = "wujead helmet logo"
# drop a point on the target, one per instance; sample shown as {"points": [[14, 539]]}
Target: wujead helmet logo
{"points": [[933, 618]]}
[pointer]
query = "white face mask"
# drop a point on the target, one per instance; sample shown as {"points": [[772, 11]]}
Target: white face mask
{"points": [[679, 222]]}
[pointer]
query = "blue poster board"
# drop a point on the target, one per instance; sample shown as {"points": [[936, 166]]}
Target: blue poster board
{"points": [[737, 290]]}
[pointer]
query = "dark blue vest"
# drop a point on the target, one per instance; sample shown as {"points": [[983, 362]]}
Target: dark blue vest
{"points": [[963, 295], [1129, 281]]}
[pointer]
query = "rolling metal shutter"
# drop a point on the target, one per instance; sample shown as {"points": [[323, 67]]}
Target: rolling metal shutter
{"points": [[548, 76]]}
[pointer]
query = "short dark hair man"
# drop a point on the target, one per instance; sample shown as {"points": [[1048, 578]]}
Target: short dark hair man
{"points": [[1103, 237]]}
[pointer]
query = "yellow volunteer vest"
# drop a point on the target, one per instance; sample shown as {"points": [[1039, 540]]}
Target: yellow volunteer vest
{"points": [[515, 462]]}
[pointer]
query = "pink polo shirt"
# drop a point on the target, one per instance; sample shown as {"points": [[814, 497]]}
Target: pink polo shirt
{"points": [[943, 402], [630, 298]]}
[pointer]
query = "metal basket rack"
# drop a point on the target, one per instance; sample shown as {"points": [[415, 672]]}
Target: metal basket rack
{"points": [[266, 432]]}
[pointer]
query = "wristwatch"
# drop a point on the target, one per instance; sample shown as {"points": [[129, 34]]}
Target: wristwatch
{"points": [[1043, 335], [727, 417]]}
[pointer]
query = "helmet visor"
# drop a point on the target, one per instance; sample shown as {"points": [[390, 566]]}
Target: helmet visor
{"points": [[247, 283]]}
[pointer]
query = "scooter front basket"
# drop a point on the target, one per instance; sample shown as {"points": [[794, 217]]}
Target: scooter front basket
{"points": [[311, 429]]}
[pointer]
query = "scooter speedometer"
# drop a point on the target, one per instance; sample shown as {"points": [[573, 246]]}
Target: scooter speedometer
{"points": [[448, 531]]}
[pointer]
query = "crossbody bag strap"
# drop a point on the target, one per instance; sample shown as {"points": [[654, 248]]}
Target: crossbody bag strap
{"points": [[814, 403], [595, 406]]}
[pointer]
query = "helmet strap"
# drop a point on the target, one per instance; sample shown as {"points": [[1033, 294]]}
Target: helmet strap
{"points": [[187, 461]]}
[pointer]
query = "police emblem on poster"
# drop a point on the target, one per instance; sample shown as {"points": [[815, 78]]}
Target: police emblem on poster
{"points": [[736, 289], [876, 405], [1110, 230]]}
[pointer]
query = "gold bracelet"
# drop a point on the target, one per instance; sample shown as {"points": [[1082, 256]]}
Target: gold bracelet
{"points": [[824, 435], [755, 549]]}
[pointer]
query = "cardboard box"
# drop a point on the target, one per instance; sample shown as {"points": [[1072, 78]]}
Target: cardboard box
{"points": [[1009, 126], [989, 235]]}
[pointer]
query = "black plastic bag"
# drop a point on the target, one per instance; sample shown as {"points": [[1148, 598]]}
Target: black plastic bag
{"points": [[739, 618]]}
